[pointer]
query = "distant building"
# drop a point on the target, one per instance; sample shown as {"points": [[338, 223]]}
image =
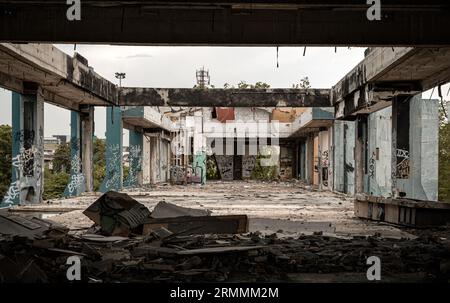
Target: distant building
{"points": [[50, 146]]}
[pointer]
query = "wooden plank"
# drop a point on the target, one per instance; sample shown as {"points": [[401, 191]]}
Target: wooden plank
{"points": [[199, 225]]}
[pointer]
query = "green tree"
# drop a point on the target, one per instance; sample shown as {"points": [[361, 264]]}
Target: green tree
{"points": [[61, 158], [99, 162], [261, 85], [5, 158], [303, 84], [54, 184]]}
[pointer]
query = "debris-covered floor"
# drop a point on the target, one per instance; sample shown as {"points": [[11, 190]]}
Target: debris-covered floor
{"points": [[289, 207], [235, 231]]}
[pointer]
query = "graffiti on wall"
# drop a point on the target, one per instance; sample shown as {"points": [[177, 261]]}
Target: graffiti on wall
{"points": [[23, 164], [402, 168], [113, 166], [77, 177], [135, 158], [248, 164], [372, 165], [24, 136], [225, 165]]}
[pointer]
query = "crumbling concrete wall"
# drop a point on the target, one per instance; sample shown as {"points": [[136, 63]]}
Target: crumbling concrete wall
{"points": [[422, 181], [378, 177], [246, 114]]}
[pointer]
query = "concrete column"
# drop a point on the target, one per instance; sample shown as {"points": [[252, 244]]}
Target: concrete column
{"points": [[114, 146], [343, 156], [154, 160], [199, 157], [146, 160], [360, 153], [415, 141], [379, 153], [77, 183], [12, 196], [324, 159], [87, 146], [134, 178], [27, 184], [309, 157]]}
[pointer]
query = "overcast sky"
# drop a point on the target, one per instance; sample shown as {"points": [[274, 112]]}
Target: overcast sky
{"points": [[175, 67]]}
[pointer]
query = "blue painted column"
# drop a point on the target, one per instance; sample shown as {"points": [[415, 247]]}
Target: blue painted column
{"points": [[12, 196], [199, 165], [77, 184], [27, 182], [134, 178], [114, 145]]}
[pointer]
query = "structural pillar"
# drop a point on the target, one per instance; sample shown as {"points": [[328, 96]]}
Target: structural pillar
{"points": [[134, 178], [77, 183], [27, 183], [199, 157], [114, 145], [87, 146]]}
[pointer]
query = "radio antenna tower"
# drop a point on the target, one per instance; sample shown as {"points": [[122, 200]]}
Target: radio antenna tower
{"points": [[203, 78]]}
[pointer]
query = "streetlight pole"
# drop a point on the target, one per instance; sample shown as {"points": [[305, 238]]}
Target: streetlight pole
{"points": [[119, 76]]}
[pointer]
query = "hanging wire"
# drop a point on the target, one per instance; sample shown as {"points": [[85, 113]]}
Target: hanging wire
{"points": [[304, 51]]}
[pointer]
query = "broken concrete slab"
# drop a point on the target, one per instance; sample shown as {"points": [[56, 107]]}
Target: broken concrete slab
{"points": [[16, 225], [118, 214], [218, 250], [199, 225], [169, 210]]}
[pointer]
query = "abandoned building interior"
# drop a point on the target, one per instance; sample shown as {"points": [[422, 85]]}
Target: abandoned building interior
{"points": [[228, 184]]}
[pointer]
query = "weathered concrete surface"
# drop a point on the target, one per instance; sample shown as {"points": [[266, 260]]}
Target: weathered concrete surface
{"points": [[65, 81], [387, 72], [224, 97], [287, 207], [229, 22]]}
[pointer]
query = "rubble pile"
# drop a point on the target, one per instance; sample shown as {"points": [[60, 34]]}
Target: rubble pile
{"points": [[138, 247]]}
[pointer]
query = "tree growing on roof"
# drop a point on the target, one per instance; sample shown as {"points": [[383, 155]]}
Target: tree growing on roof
{"points": [[303, 84]]}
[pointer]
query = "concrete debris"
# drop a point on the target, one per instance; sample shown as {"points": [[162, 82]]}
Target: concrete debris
{"points": [[118, 214], [199, 225], [32, 228], [169, 210], [230, 258]]}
